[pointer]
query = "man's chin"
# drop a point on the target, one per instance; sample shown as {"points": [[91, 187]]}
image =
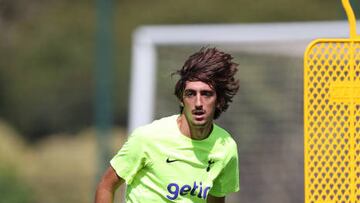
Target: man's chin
{"points": [[198, 121], [200, 124]]}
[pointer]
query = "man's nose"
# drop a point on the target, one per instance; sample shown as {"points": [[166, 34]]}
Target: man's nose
{"points": [[198, 102]]}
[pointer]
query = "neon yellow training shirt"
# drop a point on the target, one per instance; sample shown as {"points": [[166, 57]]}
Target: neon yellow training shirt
{"points": [[159, 164]]}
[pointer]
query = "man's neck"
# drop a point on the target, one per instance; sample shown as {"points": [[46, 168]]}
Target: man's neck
{"points": [[193, 132]]}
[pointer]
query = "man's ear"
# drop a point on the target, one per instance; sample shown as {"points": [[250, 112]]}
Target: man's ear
{"points": [[181, 103]]}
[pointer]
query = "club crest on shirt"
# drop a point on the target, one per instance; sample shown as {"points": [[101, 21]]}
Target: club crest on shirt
{"points": [[210, 163]]}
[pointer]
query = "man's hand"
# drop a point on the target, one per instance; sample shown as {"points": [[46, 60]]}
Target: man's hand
{"points": [[107, 186], [213, 199]]}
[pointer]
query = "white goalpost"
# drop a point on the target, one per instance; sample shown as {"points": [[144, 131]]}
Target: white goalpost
{"points": [[289, 37]]}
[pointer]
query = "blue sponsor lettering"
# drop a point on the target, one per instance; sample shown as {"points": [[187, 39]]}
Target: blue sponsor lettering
{"points": [[196, 190], [185, 189], [173, 189]]}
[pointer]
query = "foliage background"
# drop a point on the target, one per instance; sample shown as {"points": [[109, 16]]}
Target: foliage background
{"points": [[47, 62]]}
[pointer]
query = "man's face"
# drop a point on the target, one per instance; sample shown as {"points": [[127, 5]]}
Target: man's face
{"points": [[199, 101]]}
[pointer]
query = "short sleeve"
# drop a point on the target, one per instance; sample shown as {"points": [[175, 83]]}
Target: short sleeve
{"points": [[131, 157], [228, 179]]}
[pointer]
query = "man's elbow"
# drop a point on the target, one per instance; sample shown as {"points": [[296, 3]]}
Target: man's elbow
{"points": [[107, 186]]}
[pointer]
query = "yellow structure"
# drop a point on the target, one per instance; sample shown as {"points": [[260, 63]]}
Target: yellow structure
{"points": [[332, 118]]}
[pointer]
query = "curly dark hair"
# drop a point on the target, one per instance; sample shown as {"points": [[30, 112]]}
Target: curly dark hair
{"points": [[215, 68]]}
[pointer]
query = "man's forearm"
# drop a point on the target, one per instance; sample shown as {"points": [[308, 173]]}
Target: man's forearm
{"points": [[104, 195]]}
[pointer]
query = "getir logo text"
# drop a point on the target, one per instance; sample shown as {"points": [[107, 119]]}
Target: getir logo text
{"points": [[196, 190]]}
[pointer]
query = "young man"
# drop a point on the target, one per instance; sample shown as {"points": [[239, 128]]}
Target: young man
{"points": [[186, 157]]}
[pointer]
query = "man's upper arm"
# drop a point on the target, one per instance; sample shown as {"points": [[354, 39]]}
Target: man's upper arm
{"points": [[111, 179], [132, 156]]}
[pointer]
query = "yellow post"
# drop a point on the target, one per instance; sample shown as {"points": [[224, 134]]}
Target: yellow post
{"points": [[351, 18], [332, 118]]}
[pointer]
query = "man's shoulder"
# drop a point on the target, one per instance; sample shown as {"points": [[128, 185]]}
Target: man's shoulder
{"points": [[221, 132], [156, 127], [164, 121], [224, 136]]}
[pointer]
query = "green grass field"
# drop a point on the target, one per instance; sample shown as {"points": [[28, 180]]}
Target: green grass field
{"points": [[59, 169]]}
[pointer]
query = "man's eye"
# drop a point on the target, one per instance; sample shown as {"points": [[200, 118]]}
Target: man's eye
{"points": [[189, 94], [208, 94]]}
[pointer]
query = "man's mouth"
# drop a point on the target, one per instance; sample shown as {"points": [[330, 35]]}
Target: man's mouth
{"points": [[198, 112], [199, 115]]}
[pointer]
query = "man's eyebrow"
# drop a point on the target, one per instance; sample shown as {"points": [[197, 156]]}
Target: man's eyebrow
{"points": [[203, 90]]}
